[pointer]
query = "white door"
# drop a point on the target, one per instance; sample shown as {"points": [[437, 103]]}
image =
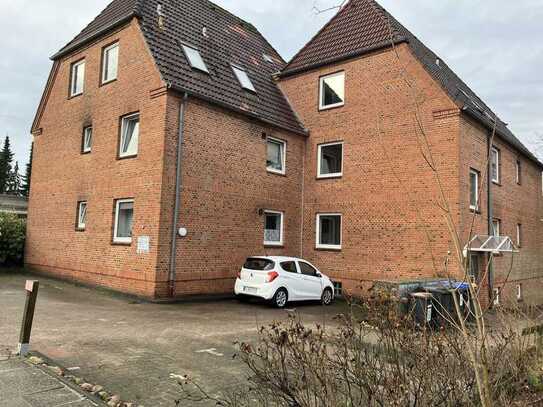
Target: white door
{"points": [[294, 280], [312, 281]]}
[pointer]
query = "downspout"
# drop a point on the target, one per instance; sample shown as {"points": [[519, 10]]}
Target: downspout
{"points": [[180, 141], [490, 218]]}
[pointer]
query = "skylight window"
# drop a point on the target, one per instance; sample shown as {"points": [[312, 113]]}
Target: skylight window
{"points": [[195, 59], [243, 78], [267, 58]]}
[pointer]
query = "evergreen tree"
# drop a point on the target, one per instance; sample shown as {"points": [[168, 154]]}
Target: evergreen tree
{"points": [[14, 181], [25, 188], [6, 158]]}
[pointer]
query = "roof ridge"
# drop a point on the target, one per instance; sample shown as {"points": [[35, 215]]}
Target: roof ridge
{"points": [[312, 39]]}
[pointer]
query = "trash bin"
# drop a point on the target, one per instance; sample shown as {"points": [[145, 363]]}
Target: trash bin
{"points": [[422, 308]]}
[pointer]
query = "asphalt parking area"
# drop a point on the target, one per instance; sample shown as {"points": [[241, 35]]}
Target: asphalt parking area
{"points": [[132, 347]]}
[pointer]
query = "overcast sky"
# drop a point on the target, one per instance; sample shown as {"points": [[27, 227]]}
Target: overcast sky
{"points": [[494, 45]]}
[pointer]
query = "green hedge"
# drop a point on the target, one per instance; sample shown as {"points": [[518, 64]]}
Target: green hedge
{"points": [[12, 239]]}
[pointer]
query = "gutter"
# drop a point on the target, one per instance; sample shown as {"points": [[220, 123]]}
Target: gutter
{"points": [[178, 184]]}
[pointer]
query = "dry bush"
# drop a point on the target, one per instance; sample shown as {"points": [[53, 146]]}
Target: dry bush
{"points": [[376, 356]]}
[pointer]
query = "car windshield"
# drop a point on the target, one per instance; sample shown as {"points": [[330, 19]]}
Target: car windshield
{"points": [[253, 263]]}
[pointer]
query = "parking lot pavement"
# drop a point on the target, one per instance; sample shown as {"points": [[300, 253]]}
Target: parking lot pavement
{"points": [[132, 347], [24, 385]]}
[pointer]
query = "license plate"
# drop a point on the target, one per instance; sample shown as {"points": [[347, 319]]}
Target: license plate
{"points": [[250, 290]]}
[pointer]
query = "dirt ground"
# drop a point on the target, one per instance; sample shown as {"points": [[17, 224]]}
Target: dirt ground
{"points": [[132, 347]]}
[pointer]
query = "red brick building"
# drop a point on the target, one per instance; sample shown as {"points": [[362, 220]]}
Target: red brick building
{"points": [[172, 141]]}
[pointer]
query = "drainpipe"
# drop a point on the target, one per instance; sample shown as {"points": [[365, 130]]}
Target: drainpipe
{"points": [[490, 218], [180, 141]]}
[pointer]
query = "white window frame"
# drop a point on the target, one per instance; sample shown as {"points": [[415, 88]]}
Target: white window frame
{"points": [[87, 149], [319, 160], [519, 234], [81, 225], [476, 206], [321, 91], [519, 292], [496, 224], [495, 150], [518, 167], [124, 119], [117, 239], [318, 245], [497, 294], [200, 64], [73, 78], [282, 218], [105, 52], [283, 144], [243, 78]]}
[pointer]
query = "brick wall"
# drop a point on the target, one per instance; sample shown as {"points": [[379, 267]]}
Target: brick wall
{"points": [[512, 204], [392, 227], [224, 185], [62, 176]]}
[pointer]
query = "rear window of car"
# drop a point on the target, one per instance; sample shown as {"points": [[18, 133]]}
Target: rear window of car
{"points": [[258, 264]]}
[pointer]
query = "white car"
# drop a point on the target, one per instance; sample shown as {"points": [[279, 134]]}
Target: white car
{"points": [[283, 279]]}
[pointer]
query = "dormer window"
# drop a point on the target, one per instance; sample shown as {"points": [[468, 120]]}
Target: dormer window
{"points": [[243, 78], [77, 79], [195, 59]]}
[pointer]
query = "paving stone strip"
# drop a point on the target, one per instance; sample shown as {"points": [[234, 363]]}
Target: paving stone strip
{"points": [[36, 381]]}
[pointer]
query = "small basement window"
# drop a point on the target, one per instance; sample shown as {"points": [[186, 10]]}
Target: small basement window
{"points": [[130, 131], [243, 78], [329, 231], [330, 160], [77, 79], [273, 228], [519, 292], [195, 59], [81, 215], [332, 91], [338, 289], [124, 217], [497, 293], [276, 155], [110, 63], [87, 139]]}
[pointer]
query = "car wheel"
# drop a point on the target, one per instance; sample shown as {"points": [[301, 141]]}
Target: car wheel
{"points": [[280, 298], [327, 297]]}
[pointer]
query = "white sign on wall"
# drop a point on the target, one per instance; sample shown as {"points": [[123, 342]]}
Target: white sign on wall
{"points": [[144, 244]]}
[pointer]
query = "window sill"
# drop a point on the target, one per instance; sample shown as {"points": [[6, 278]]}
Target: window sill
{"points": [[75, 96], [331, 176], [274, 172], [80, 229], [331, 107], [85, 152], [328, 249], [126, 157], [497, 183], [274, 245], [475, 210], [108, 82], [114, 243]]}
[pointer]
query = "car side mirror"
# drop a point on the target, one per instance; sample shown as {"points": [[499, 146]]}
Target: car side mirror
{"points": [[318, 274]]}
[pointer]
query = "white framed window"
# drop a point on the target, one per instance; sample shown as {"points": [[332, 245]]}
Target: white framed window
{"points": [[332, 91], [519, 235], [87, 139], [243, 78], [474, 189], [110, 63], [276, 152], [330, 160], [77, 78], [124, 218], [518, 172], [519, 292], [195, 58], [329, 233], [273, 228], [496, 226], [81, 215], [130, 132], [495, 165]]}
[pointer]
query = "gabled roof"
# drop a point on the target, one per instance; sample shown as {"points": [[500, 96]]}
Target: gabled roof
{"points": [[362, 26], [228, 40]]}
